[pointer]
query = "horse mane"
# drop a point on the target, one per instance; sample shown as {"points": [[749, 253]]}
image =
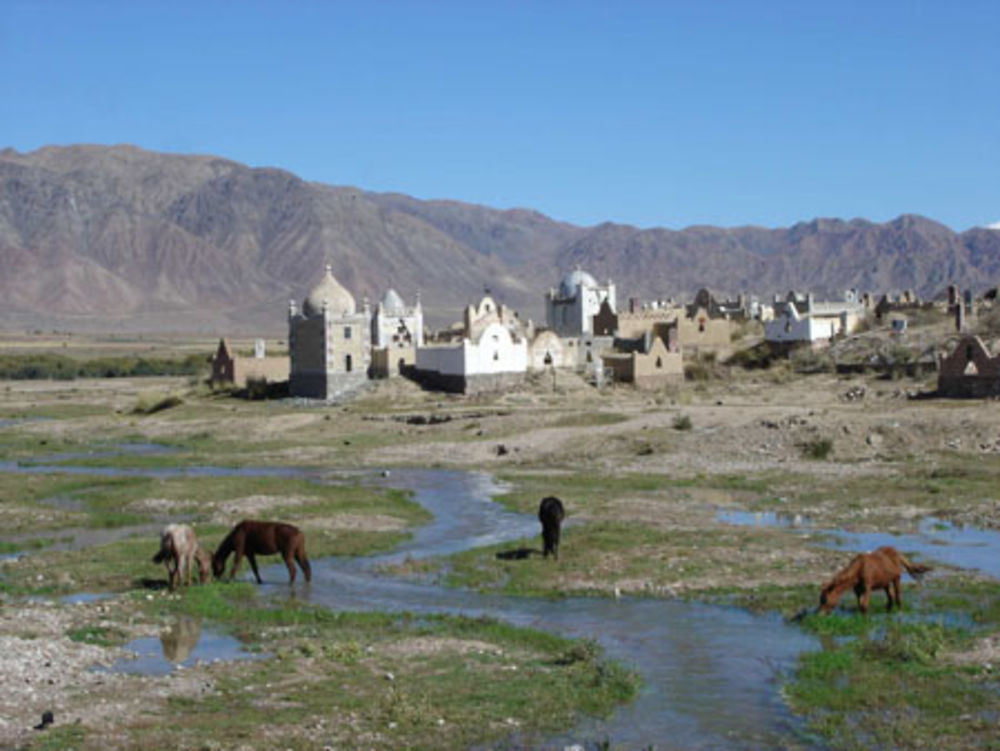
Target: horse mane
{"points": [[845, 578], [226, 546]]}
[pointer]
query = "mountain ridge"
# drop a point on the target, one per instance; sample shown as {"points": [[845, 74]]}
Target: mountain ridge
{"points": [[118, 237]]}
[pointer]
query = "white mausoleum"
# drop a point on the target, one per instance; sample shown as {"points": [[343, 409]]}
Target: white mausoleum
{"points": [[570, 309]]}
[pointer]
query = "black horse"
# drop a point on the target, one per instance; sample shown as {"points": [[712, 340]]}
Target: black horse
{"points": [[550, 514]]}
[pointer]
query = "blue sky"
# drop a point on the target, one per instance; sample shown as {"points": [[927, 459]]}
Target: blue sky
{"points": [[653, 114]]}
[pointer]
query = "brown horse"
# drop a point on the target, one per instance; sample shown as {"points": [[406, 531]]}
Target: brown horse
{"points": [[253, 538], [880, 569]]}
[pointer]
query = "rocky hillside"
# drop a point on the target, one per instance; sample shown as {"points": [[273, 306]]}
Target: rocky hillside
{"points": [[119, 238]]}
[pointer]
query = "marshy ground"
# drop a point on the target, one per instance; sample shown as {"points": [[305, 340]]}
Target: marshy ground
{"points": [[647, 479]]}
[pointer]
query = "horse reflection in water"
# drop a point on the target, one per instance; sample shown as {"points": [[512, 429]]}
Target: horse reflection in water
{"points": [[180, 639]]}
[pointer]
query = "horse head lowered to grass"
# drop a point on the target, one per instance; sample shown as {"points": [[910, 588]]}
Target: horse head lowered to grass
{"points": [[180, 553], [880, 569], [253, 538]]}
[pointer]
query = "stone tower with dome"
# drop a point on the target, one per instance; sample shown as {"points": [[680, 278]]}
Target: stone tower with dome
{"points": [[329, 342], [570, 309]]}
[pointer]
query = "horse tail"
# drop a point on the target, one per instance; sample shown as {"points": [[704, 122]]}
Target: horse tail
{"points": [[303, 560], [916, 570]]}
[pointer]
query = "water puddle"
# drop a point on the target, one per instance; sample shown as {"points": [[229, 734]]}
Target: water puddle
{"points": [[9, 422], [965, 547], [956, 545], [64, 503], [761, 518], [78, 538], [182, 645], [85, 598], [117, 449]]}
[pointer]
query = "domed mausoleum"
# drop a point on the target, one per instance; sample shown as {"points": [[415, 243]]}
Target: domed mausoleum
{"points": [[570, 309], [397, 331], [329, 342]]}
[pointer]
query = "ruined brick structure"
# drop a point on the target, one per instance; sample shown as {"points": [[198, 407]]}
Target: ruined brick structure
{"points": [[969, 372]]}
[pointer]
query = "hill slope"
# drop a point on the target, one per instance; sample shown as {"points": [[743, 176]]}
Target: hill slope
{"points": [[117, 237]]}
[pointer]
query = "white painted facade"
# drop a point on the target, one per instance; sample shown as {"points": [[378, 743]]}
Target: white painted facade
{"points": [[396, 325], [570, 310], [804, 320], [494, 351], [790, 326]]}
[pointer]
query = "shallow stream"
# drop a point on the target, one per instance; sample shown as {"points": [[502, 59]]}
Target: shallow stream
{"points": [[710, 674]]}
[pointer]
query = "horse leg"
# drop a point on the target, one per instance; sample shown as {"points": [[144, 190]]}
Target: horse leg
{"points": [[300, 556], [864, 599], [172, 578], [888, 594], [290, 562], [253, 564], [899, 593], [237, 560]]}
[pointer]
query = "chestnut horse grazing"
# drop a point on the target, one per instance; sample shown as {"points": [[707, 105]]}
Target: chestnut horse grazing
{"points": [[880, 569], [551, 514], [253, 538], [179, 552]]}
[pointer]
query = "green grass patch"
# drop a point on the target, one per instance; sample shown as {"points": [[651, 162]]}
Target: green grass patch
{"points": [[46, 366], [125, 564], [588, 419], [885, 681], [102, 636], [599, 552], [379, 680]]}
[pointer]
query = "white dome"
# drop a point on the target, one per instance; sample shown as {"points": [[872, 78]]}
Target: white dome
{"points": [[392, 302], [575, 278], [338, 300]]}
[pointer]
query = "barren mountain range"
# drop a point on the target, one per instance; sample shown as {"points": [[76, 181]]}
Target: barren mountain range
{"points": [[118, 238]]}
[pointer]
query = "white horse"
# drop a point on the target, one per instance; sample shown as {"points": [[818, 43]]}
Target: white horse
{"points": [[179, 552]]}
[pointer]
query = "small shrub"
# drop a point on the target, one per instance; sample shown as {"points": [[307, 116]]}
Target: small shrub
{"points": [[818, 449], [585, 650], [147, 405], [682, 422], [696, 371], [759, 357], [806, 360]]}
